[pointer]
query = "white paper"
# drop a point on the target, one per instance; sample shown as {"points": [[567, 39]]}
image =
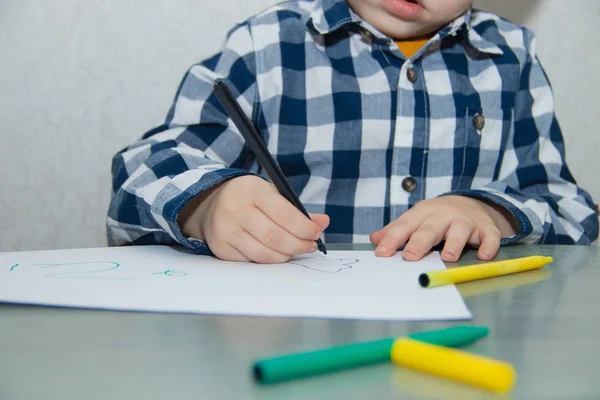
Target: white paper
{"points": [[343, 284]]}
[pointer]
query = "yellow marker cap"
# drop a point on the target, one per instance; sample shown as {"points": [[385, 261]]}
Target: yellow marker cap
{"points": [[494, 375]]}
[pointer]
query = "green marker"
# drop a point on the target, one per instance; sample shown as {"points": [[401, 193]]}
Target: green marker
{"points": [[355, 355]]}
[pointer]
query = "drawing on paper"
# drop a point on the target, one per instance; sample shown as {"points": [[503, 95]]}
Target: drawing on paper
{"points": [[171, 272], [89, 270], [325, 264], [80, 270], [151, 278]]}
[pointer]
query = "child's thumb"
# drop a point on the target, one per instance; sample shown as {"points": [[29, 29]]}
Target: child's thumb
{"points": [[320, 219]]}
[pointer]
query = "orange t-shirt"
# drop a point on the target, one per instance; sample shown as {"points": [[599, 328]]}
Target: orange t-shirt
{"points": [[410, 47]]}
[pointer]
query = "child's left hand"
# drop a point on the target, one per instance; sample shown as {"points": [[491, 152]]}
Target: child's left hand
{"points": [[459, 220]]}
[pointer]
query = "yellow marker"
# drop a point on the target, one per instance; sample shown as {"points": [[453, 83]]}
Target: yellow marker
{"points": [[476, 288], [482, 271], [494, 375]]}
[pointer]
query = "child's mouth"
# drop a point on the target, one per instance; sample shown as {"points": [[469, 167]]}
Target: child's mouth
{"points": [[404, 9]]}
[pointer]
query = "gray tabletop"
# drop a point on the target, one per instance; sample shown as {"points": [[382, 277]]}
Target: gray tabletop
{"points": [[546, 323]]}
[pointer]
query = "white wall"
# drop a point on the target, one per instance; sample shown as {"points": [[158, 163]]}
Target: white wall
{"points": [[79, 80]]}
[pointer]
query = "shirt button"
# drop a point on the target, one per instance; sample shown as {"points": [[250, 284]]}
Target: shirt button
{"points": [[479, 122], [409, 184], [411, 74]]}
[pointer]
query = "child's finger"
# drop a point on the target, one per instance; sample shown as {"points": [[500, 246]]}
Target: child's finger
{"points": [[227, 252], [457, 236], [254, 250], [380, 234], [284, 214], [396, 235], [377, 236], [489, 236], [430, 233], [263, 229]]}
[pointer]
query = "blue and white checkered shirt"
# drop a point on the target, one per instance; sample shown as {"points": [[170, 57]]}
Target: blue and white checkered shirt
{"points": [[361, 132]]}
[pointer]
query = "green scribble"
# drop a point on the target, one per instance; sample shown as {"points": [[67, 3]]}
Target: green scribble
{"points": [[69, 275], [171, 272], [13, 267]]}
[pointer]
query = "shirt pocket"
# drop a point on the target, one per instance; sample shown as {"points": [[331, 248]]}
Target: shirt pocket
{"points": [[482, 135]]}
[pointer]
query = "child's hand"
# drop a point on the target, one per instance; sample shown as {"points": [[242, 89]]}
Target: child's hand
{"points": [[457, 219], [246, 219]]}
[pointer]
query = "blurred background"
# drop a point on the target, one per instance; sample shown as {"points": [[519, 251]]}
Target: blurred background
{"points": [[79, 80]]}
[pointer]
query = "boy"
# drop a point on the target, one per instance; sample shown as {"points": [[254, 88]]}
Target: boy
{"points": [[406, 122]]}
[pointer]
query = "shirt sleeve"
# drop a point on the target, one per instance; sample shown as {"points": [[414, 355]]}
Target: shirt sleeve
{"points": [[535, 184], [195, 149]]}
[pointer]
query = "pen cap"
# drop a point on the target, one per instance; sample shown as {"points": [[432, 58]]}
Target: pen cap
{"points": [[494, 375]]}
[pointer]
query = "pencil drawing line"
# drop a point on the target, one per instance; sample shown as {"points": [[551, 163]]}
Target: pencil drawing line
{"points": [[325, 264]]}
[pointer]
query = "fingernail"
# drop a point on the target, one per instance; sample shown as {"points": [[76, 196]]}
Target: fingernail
{"points": [[408, 252], [317, 236], [314, 248], [381, 250], [450, 252]]}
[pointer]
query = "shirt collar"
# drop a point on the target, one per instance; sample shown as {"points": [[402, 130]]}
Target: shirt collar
{"points": [[330, 15], [476, 41]]}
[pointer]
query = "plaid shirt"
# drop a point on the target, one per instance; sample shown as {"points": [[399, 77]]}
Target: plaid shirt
{"points": [[361, 132]]}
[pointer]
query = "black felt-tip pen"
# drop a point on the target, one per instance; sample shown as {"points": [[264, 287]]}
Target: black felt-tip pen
{"points": [[259, 148]]}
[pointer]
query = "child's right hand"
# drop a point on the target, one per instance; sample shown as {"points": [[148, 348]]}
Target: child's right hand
{"points": [[246, 219]]}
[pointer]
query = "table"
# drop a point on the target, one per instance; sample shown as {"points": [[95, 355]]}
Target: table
{"points": [[545, 322]]}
